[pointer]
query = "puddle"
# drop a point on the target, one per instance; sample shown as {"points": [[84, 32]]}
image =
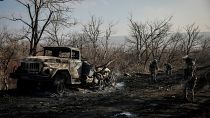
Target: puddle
{"points": [[117, 87], [125, 115], [120, 85], [153, 105]]}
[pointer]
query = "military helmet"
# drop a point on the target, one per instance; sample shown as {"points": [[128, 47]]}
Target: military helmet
{"points": [[185, 57], [155, 60]]}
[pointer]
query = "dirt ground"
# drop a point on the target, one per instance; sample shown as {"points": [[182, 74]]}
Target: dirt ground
{"points": [[132, 97]]}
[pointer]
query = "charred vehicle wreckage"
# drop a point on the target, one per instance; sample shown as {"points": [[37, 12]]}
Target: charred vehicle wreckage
{"points": [[58, 68]]}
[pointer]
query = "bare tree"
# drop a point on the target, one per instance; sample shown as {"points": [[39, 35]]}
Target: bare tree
{"points": [[107, 40], [137, 32], [55, 38], [40, 14], [9, 49], [191, 38], [147, 38], [57, 34], [204, 50], [205, 44], [78, 40], [93, 32]]}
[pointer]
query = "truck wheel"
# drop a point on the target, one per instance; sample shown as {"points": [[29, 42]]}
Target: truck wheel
{"points": [[60, 88], [20, 85], [59, 84], [24, 86]]}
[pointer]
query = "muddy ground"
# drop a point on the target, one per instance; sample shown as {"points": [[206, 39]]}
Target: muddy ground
{"points": [[132, 97]]}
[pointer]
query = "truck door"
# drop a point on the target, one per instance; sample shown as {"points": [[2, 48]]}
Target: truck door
{"points": [[75, 65]]}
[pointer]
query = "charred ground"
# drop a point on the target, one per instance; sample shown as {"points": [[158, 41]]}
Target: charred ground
{"points": [[133, 96]]}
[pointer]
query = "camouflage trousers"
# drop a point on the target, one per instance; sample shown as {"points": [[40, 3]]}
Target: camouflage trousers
{"points": [[188, 73], [153, 75], [168, 72]]}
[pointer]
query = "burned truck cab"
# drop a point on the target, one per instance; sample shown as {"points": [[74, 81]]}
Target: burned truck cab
{"points": [[68, 59]]}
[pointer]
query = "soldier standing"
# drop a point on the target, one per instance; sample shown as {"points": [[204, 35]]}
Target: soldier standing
{"points": [[153, 67], [168, 69], [189, 76], [189, 68]]}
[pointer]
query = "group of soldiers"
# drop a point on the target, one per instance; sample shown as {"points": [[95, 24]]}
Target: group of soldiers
{"points": [[189, 68], [153, 68], [189, 74]]}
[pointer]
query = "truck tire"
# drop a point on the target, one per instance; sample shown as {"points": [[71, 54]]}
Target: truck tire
{"points": [[60, 81], [25, 86], [59, 84], [20, 85]]}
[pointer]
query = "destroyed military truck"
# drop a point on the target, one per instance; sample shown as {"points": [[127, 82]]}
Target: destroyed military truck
{"points": [[57, 68]]}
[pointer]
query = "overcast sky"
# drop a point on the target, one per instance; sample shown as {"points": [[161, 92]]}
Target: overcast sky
{"points": [[183, 11]]}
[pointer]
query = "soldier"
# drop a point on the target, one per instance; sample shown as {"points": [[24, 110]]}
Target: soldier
{"points": [[189, 87], [189, 76], [153, 67], [189, 68], [168, 69]]}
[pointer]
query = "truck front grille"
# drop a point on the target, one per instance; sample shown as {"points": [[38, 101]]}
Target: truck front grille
{"points": [[32, 67]]}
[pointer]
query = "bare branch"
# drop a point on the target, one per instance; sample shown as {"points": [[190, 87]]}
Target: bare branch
{"points": [[17, 19]]}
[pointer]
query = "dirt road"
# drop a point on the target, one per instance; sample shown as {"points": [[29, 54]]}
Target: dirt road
{"points": [[132, 97]]}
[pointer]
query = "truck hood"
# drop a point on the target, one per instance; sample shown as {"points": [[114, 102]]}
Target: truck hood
{"points": [[49, 59]]}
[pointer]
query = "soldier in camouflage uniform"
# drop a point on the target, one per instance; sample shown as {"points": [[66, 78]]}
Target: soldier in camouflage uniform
{"points": [[189, 68], [190, 77], [153, 68], [168, 69]]}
